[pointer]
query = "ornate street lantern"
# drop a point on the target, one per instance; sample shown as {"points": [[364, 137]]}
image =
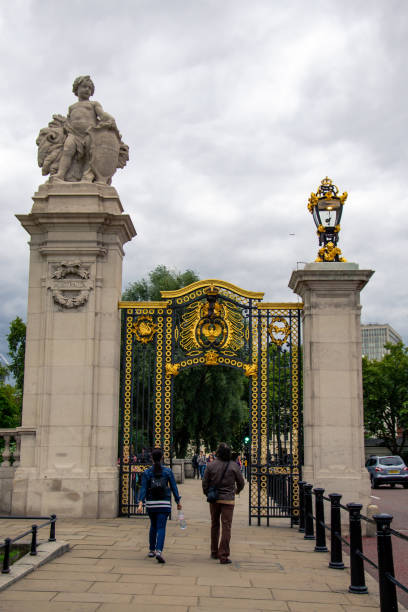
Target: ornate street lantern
{"points": [[326, 207]]}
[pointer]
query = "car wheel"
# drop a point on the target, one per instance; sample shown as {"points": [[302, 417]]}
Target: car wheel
{"points": [[392, 485], [405, 486], [374, 483]]}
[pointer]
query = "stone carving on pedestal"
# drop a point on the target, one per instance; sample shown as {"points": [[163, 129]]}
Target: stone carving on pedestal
{"points": [[70, 284], [83, 146]]}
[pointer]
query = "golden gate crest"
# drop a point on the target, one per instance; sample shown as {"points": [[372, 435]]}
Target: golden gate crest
{"points": [[212, 326]]}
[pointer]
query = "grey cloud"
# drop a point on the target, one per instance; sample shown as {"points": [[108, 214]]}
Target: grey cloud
{"points": [[233, 112]]}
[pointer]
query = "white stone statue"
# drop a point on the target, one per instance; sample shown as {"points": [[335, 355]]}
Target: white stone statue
{"points": [[84, 146]]}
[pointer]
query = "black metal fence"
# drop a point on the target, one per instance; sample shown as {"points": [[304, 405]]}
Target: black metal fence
{"points": [[385, 566], [8, 542]]}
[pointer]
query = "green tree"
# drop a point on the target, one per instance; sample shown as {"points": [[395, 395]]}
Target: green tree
{"points": [[4, 371], [208, 407], [385, 387], [17, 340], [160, 279], [10, 406], [11, 397], [209, 401]]}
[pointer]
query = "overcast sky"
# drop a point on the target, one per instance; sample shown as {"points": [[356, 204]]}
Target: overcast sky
{"points": [[234, 110]]}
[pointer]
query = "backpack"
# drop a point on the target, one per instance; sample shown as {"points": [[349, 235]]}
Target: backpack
{"points": [[158, 486]]}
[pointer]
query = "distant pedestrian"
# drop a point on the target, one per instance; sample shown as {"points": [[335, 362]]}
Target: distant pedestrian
{"points": [[226, 476], [144, 457], [194, 463], [158, 483], [202, 463], [239, 462], [135, 481]]}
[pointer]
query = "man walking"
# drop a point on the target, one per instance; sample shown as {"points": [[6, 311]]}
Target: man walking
{"points": [[226, 476]]}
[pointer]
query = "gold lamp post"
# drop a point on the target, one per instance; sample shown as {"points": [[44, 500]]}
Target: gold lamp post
{"points": [[326, 207]]}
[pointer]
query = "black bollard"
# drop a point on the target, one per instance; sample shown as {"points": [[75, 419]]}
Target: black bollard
{"points": [[6, 558], [388, 593], [52, 528], [336, 553], [356, 544], [302, 506], [320, 528], [309, 529], [33, 550]]}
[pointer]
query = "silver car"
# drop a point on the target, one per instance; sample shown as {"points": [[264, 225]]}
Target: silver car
{"points": [[387, 470]]}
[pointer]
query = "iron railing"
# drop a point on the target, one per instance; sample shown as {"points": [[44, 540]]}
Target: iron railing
{"points": [[385, 566], [7, 543]]}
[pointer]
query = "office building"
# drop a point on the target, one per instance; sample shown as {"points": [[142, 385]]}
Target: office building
{"points": [[375, 336]]}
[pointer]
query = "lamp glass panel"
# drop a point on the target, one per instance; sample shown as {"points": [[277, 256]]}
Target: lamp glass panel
{"points": [[328, 212]]}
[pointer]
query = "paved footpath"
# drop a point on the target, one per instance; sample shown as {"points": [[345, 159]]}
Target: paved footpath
{"points": [[107, 569]]}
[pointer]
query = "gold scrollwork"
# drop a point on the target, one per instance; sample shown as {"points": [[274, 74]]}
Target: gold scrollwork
{"points": [[172, 368], [250, 369], [139, 305], [211, 358], [144, 329], [329, 252], [312, 202], [274, 328], [211, 281]]}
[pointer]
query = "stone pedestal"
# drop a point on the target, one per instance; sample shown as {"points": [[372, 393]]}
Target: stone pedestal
{"points": [[178, 470], [332, 379], [188, 469], [69, 460]]}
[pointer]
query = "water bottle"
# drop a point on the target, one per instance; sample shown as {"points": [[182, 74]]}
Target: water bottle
{"points": [[182, 520]]}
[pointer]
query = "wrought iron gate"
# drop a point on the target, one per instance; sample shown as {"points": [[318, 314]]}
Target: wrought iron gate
{"points": [[212, 323]]}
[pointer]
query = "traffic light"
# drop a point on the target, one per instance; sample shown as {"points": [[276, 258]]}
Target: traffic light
{"points": [[247, 439]]}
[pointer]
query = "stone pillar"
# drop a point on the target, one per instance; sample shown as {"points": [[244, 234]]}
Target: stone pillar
{"points": [[178, 470], [332, 379], [71, 388]]}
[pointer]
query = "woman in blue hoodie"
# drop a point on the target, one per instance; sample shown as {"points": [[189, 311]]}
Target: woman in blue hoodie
{"points": [[158, 483]]}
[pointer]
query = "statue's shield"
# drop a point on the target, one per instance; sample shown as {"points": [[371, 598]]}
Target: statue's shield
{"points": [[105, 145]]}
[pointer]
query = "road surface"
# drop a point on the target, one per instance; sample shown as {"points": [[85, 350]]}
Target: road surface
{"points": [[394, 502]]}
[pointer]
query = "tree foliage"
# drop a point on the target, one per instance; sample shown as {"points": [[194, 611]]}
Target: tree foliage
{"points": [[209, 401], [4, 371], [11, 397], [10, 406], [16, 340], [385, 386], [160, 279], [208, 407]]}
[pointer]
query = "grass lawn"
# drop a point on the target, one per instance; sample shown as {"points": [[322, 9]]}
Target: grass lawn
{"points": [[17, 551]]}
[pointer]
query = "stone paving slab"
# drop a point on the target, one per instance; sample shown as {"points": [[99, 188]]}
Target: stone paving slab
{"points": [[107, 570]]}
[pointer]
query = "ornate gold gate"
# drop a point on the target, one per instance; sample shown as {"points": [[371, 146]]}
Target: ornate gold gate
{"points": [[212, 323]]}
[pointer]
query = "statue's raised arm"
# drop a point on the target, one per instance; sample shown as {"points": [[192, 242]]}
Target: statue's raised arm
{"points": [[84, 146]]}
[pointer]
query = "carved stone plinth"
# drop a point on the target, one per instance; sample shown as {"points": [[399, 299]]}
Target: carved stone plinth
{"points": [[70, 408], [332, 379]]}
